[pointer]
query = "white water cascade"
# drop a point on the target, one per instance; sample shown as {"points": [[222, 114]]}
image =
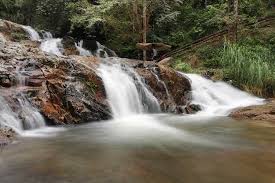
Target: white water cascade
{"points": [[218, 98], [82, 51], [127, 95], [26, 118], [52, 46], [34, 36]]}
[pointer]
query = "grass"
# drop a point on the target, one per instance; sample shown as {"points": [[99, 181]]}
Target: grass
{"points": [[250, 67]]}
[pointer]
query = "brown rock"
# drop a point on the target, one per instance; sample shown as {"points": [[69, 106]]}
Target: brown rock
{"points": [[34, 82], [261, 112]]}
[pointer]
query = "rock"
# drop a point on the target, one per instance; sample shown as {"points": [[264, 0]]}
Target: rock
{"points": [[264, 112], [170, 88], [7, 135], [69, 46], [165, 62], [34, 82], [12, 31]]}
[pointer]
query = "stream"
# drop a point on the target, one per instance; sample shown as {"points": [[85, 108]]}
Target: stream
{"points": [[145, 148]]}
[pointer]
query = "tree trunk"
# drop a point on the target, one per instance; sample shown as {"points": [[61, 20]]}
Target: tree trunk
{"points": [[144, 17], [236, 17]]}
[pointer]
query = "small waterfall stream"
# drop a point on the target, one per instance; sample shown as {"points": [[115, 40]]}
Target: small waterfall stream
{"points": [[34, 36], [126, 93], [25, 117], [219, 98]]}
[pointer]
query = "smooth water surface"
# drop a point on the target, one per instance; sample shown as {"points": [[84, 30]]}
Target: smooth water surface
{"points": [[141, 149]]}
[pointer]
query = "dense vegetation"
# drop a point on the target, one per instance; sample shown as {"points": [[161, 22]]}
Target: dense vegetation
{"points": [[249, 62]]}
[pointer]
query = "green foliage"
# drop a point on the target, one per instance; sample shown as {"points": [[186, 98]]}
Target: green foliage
{"points": [[210, 56], [182, 66], [250, 67]]}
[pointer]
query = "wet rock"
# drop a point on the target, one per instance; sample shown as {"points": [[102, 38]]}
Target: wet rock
{"points": [[69, 46], [264, 112], [12, 31], [6, 78], [7, 135], [170, 88], [34, 82], [166, 61]]}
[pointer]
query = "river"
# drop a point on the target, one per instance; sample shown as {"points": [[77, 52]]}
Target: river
{"points": [[146, 148]]}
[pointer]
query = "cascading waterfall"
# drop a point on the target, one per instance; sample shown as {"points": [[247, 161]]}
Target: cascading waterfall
{"points": [[219, 98], [18, 113], [49, 44], [82, 51], [126, 93], [52, 46], [47, 35], [8, 117], [26, 118], [34, 36], [102, 51]]}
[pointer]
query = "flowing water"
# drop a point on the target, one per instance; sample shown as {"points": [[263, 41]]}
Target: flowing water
{"points": [[126, 93], [34, 36], [155, 149], [82, 51], [219, 98], [137, 147], [52, 46]]}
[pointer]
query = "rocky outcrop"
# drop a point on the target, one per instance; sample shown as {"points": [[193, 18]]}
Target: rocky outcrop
{"points": [[12, 31], [171, 89], [67, 89], [264, 112]]}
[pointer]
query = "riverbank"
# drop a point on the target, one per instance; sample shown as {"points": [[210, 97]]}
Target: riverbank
{"points": [[264, 112]]}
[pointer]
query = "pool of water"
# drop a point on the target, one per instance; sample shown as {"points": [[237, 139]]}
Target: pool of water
{"points": [[141, 149]]}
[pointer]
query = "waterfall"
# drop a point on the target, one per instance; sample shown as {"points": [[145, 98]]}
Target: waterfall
{"points": [[52, 46], [47, 35], [219, 98], [82, 51], [104, 52], [126, 93], [26, 117], [8, 117], [17, 112], [34, 36]]}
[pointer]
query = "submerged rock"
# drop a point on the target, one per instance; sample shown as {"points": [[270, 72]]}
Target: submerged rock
{"points": [[264, 112]]}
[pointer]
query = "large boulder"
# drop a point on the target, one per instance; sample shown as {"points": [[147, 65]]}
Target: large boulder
{"points": [[12, 31], [170, 88]]}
